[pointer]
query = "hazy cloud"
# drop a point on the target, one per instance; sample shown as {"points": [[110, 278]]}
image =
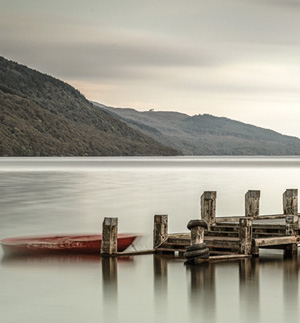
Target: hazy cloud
{"points": [[196, 56]]}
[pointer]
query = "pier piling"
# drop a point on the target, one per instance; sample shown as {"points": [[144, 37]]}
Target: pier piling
{"points": [[252, 204], [208, 207], [245, 235], [109, 245], [290, 202], [160, 231]]}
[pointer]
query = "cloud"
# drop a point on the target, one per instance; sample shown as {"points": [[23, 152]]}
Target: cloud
{"points": [[282, 3]]}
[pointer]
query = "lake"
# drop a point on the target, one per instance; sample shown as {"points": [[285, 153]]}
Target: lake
{"points": [[73, 195]]}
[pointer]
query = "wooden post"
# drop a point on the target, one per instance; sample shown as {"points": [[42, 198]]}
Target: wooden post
{"points": [[291, 222], [245, 235], [290, 202], [252, 204], [160, 232], [109, 245], [208, 207]]}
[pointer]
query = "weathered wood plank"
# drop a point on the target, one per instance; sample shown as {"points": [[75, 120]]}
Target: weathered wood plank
{"points": [[227, 257], [135, 253], [170, 249], [221, 219], [260, 242]]}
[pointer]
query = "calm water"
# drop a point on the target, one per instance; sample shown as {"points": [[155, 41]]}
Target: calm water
{"points": [[61, 195]]}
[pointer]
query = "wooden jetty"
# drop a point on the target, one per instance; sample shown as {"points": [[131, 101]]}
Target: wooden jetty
{"points": [[231, 238], [214, 238]]}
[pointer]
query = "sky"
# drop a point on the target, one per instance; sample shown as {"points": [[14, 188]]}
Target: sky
{"points": [[238, 59]]}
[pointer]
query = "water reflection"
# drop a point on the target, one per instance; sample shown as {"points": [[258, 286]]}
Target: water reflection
{"points": [[291, 289], [160, 270], [206, 287], [249, 288], [24, 260], [202, 301]]}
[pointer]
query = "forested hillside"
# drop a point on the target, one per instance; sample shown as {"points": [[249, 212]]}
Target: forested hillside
{"points": [[43, 116]]}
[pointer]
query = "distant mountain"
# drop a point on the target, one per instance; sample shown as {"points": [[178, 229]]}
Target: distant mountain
{"points": [[206, 134], [43, 116]]}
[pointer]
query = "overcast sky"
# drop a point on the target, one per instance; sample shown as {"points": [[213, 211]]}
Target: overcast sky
{"points": [[234, 58]]}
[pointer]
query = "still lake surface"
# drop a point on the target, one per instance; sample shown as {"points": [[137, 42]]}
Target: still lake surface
{"points": [[73, 195]]}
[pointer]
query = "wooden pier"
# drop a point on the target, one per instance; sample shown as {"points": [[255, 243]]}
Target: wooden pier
{"points": [[231, 238], [213, 238]]}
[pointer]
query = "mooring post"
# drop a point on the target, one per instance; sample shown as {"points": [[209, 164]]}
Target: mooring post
{"points": [[245, 235], [160, 231], [109, 245], [198, 251], [208, 207], [290, 202], [197, 228], [252, 204], [197, 235]]}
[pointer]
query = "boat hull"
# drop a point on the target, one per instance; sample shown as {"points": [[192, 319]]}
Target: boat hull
{"points": [[61, 244]]}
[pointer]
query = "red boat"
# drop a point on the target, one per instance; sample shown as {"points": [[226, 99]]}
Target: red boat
{"points": [[74, 243]]}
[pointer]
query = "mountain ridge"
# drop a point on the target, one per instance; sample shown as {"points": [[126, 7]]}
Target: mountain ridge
{"points": [[206, 134]]}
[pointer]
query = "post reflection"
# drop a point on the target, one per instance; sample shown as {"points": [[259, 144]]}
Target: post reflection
{"points": [[160, 269], [109, 275], [249, 288], [290, 288], [109, 288], [202, 300]]}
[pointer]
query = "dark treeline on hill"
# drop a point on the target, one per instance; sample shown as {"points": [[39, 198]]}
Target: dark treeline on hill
{"points": [[43, 116], [206, 134]]}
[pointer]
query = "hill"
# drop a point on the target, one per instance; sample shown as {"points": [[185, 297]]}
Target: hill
{"points": [[206, 134], [43, 116]]}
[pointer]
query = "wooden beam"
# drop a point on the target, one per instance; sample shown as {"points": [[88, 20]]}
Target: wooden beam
{"points": [[261, 242]]}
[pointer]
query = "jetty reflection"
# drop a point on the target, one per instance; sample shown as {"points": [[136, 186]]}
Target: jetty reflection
{"points": [[206, 281]]}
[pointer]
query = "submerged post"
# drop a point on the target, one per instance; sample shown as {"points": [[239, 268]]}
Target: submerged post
{"points": [[290, 202], [109, 245], [208, 207], [160, 231], [252, 204], [245, 235]]}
